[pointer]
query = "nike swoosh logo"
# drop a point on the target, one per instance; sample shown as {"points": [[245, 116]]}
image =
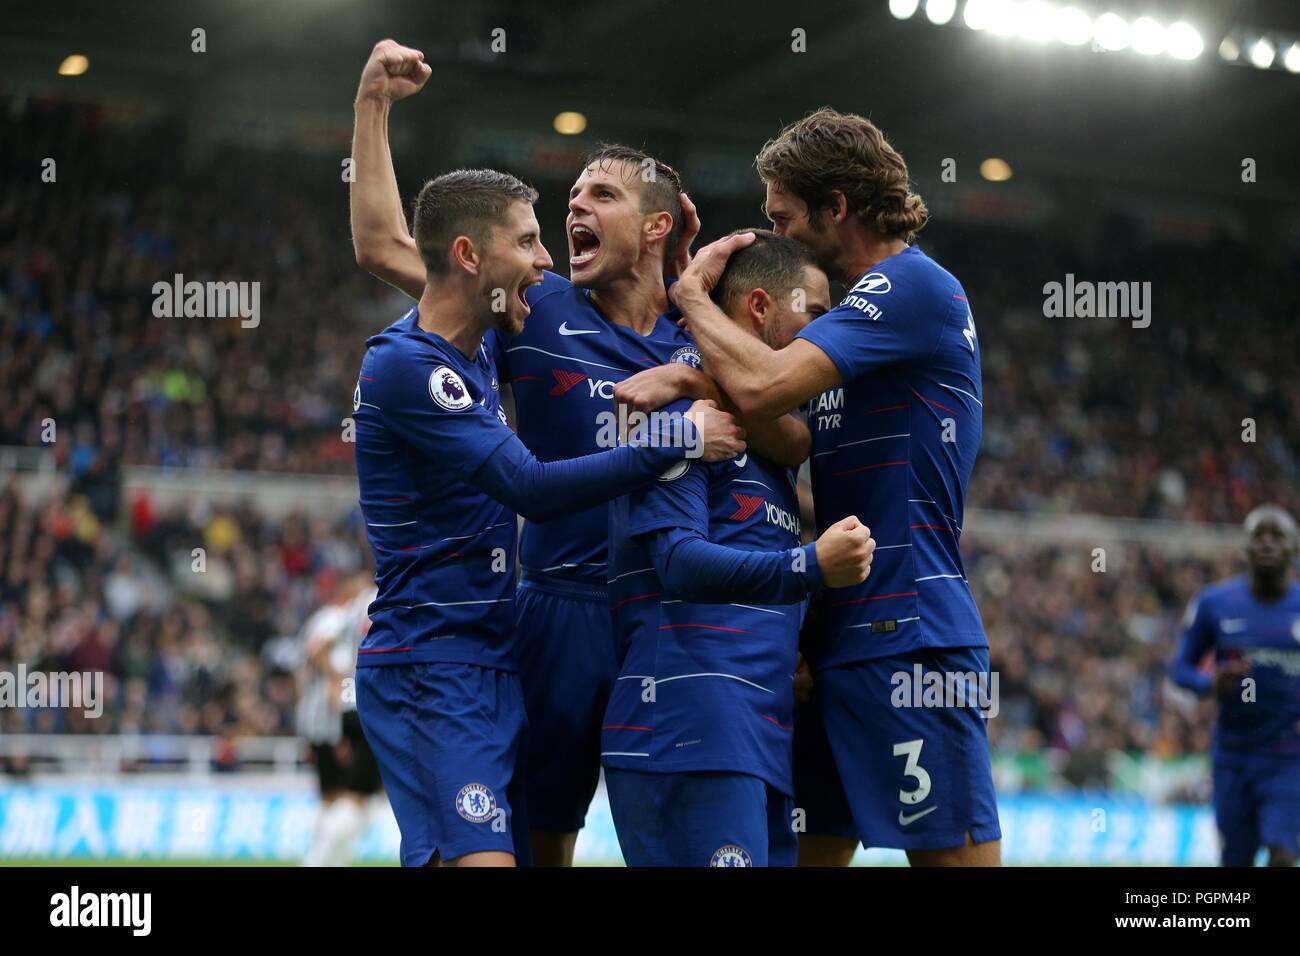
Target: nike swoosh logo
{"points": [[907, 821], [742, 461], [565, 330]]}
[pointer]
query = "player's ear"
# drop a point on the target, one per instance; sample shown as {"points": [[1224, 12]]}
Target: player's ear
{"points": [[838, 207], [464, 255], [657, 226], [758, 306]]}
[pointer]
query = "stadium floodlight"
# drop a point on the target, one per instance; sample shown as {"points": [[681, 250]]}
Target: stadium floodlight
{"points": [[1148, 36], [569, 123], [1229, 50], [74, 65], [1262, 53], [902, 9], [1292, 59], [979, 14], [1037, 21], [1004, 18], [995, 170], [1073, 26], [1183, 41], [940, 12], [1111, 31]]}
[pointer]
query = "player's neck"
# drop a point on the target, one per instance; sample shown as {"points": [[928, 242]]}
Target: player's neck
{"points": [[445, 311], [864, 250], [635, 302], [1269, 586]]}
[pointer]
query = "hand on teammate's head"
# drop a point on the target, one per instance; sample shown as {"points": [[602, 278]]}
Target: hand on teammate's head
{"points": [[690, 229], [706, 268]]}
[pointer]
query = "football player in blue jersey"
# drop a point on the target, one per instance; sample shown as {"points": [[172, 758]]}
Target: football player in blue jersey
{"points": [[1251, 624], [628, 226], [891, 378], [441, 478], [708, 580]]}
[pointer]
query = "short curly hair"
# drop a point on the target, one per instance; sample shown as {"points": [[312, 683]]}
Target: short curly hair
{"points": [[828, 151]]}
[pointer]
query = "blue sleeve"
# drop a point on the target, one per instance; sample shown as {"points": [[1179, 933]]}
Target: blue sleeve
{"points": [[878, 324], [696, 569], [477, 446], [460, 439], [673, 515], [541, 491], [1197, 639], [679, 499]]}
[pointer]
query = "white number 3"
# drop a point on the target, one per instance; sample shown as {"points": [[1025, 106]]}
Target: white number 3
{"points": [[912, 750]]}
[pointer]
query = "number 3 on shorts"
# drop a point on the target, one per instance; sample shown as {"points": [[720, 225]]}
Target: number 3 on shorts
{"points": [[912, 750]]}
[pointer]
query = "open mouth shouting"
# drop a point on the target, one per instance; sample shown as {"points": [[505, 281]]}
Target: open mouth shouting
{"points": [[521, 292], [584, 245]]}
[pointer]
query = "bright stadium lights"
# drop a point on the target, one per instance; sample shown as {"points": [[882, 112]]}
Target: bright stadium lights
{"points": [[1037, 21], [1262, 53], [979, 14], [1148, 36], [940, 12], [1073, 26], [1004, 18], [1183, 41], [569, 123], [995, 170], [1292, 59], [74, 65], [1111, 31]]}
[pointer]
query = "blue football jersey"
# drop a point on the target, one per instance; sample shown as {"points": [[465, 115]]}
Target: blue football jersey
{"points": [[1228, 620], [563, 368], [895, 445], [426, 418], [703, 687]]}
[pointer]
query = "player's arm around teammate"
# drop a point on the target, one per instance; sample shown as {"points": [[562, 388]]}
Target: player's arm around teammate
{"points": [[785, 440]]}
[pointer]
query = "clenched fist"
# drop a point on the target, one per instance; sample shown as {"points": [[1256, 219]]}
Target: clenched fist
{"points": [[844, 553], [393, 72]]}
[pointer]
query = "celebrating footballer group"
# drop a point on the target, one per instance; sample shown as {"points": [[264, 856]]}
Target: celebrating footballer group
{"points": [[652, 614]]}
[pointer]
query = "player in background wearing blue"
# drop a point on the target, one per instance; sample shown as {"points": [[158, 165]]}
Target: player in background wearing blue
{"points": [[441, 479], [892, 375], [708, 580], [1251, 624], [628, 225]]}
